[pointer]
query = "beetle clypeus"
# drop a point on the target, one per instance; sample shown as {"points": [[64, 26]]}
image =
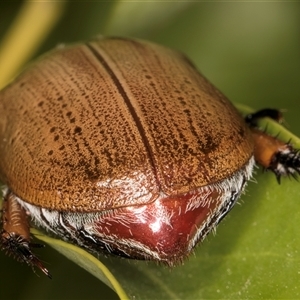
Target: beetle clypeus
{"points": [[121, 145]]}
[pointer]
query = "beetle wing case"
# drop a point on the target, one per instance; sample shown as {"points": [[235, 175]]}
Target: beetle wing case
{"points": [[117, 121]]}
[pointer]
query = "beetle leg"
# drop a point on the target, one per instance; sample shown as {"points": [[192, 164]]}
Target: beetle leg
{"points": [[15, 233], [272, 113], [271, 153]]}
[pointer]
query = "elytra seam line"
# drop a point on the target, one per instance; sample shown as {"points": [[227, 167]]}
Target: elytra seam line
{"points": [[128, 103]]}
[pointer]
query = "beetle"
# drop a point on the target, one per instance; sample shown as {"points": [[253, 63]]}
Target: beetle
{"points": [[121, 145]]}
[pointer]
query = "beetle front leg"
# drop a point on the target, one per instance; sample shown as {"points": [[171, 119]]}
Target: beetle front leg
{"points": [[271, 153], [15, 233]]}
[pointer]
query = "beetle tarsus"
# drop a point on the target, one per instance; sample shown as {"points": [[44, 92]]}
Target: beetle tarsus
{"points": [[17, 246]]}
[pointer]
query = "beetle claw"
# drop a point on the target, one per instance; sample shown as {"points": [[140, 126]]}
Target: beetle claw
{"points": [[36, 245], [20, 249]]}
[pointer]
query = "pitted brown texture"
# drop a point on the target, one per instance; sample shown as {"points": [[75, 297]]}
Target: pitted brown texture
{"points": [[114, 123]]}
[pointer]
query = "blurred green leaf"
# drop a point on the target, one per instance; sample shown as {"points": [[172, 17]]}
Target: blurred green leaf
{"points": [[143, 13], [24, 36], [84, 260]]}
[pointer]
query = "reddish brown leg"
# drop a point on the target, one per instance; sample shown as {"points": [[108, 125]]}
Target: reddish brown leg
{"points": [[15, 234], [271, 153]]}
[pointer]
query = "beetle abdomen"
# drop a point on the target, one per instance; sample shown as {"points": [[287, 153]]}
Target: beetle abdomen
{"points": [[165, 230]]}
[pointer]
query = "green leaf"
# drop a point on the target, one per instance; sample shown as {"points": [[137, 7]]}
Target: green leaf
{"points": [[84, 260]]}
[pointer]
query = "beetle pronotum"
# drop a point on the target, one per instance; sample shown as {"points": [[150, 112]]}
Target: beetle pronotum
{"points": [[121, 145]]}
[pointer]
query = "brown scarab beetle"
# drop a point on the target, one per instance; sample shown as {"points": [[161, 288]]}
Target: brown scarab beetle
{"points": [[120, 145]]}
